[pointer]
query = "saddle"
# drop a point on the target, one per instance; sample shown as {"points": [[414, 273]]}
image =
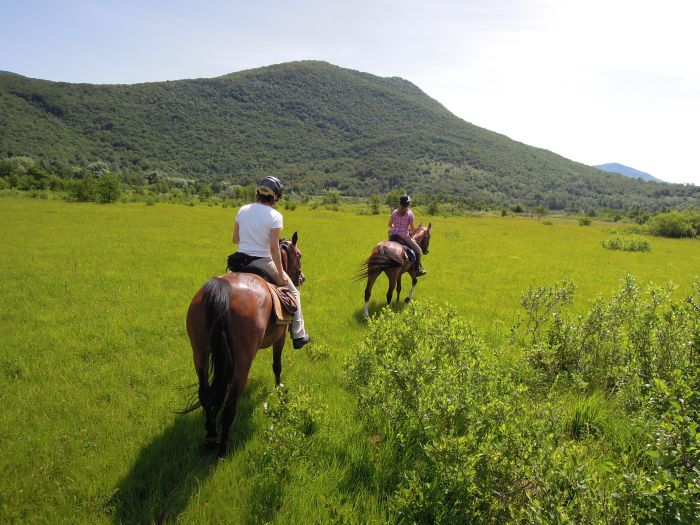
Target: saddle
{"points": [[284, 305], [410, 252]]}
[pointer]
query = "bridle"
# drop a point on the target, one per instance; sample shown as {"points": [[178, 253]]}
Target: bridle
{"points": [[291, 260], [425, 240]]}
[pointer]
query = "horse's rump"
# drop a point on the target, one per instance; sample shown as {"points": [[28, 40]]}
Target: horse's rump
{"points": [[385, 255]]}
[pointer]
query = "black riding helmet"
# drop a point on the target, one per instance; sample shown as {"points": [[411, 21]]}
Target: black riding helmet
{"points": [[405, 200], [270, 186]]}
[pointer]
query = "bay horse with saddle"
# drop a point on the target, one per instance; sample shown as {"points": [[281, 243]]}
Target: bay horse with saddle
{"points": [[394, 259], [229, 319], [234, 315]]}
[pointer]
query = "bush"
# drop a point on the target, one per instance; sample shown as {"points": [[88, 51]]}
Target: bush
{"points": [[108, 189], [450, 415], [330, 198], [674, 224], [584, 221], [627, 244]]}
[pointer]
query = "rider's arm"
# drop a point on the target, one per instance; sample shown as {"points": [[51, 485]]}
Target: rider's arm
{"points": [[410, 226], [391, 220], [275, 251], [236, 235]]}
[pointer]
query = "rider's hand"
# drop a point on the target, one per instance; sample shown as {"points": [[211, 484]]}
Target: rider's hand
{"points": [[283, 280]]}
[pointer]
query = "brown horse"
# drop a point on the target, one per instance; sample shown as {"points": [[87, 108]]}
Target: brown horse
{"points": [[228, 321], [390, 257]]}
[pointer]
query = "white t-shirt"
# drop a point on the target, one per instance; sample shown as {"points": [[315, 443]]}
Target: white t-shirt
{"points": [[254, 224]]}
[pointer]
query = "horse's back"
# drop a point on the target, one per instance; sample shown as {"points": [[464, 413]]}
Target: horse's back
{"points": [[250, 304], [388, 247]]}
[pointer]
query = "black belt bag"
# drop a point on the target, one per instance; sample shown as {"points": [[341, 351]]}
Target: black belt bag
{"points": [[239, 260]]}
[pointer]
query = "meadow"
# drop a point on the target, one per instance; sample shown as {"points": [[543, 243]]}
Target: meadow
{"points": [[95, 360]]}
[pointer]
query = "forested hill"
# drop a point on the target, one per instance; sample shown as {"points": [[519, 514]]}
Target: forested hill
{"points": [[316, 125]]}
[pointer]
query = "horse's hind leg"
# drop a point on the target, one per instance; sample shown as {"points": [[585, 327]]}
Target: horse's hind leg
{"points": [[240, 376], [368, 292], [398, 286], [199, 338]]}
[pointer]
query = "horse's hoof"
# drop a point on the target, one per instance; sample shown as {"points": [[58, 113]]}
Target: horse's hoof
{"points": [[407, 300], [211, 442]]}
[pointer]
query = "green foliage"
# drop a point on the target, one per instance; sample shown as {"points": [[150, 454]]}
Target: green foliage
{"points": [[448, 412], [619, 346], [316, 126], [464, 443], [584, 221], [676, 224], [627, 244], [375, 202], [107, 189], [330, 197]]}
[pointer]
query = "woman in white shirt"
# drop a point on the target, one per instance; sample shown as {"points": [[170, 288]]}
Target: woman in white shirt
{"points": [[257, 234]]}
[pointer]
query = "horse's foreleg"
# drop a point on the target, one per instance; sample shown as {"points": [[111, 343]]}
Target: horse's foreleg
{"points": [[414, 280], [368, 292], [398, 286], [277, 359]]}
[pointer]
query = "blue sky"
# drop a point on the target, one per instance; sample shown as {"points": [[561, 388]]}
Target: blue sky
{"points": [[593, 80]]}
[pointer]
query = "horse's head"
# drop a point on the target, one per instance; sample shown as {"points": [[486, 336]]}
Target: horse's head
{"points": [[291, 259], [422, 236]]}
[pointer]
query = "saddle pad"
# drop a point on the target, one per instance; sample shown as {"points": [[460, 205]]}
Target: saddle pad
{"points": [[284, 306], [410, 252]]}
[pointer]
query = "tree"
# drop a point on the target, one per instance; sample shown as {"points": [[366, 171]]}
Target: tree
{"points": [[108, 189]]}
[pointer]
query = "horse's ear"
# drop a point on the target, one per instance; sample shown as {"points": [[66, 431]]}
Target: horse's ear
{"points": [[295, 238], [421, 224], [430, 225]]}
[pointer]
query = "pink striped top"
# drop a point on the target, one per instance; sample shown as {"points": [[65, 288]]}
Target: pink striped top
{"points": [[400, 224]]}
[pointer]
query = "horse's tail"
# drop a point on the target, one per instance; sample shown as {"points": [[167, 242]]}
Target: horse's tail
{"points": [[216, 294], [377, 263]]}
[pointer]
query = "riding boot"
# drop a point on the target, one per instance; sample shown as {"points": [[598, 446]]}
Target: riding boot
{"points": [[419, 267]]}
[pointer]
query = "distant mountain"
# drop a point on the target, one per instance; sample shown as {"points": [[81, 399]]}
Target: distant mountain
{"points": [[316, 125], [613, 167]]}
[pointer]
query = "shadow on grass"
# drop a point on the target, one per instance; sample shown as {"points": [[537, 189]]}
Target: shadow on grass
{"points": [[170, 468], [375, 308]]}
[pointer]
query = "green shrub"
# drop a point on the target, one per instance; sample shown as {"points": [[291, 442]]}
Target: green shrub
{"points": [[674, 224], [584, 221], [107, 189], [450, 415], [627, 244]]}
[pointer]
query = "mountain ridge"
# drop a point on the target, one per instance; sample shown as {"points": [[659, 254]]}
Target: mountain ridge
{"points": [[614, 167], [317, 125]]}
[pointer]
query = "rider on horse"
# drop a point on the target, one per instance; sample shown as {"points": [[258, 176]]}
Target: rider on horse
{"points": [[257, 233], [401, 227]]}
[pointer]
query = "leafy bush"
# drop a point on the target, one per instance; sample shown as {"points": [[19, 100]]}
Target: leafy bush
{"points": [[627, 244], [619, 344], [675, 224], [584, 221], [450, 414], [467, 434]]}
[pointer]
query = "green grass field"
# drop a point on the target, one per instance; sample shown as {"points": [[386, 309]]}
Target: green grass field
{"points": [[95, 359]]}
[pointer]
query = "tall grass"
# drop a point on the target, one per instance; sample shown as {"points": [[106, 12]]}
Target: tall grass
{"points": [[95, 359]]}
